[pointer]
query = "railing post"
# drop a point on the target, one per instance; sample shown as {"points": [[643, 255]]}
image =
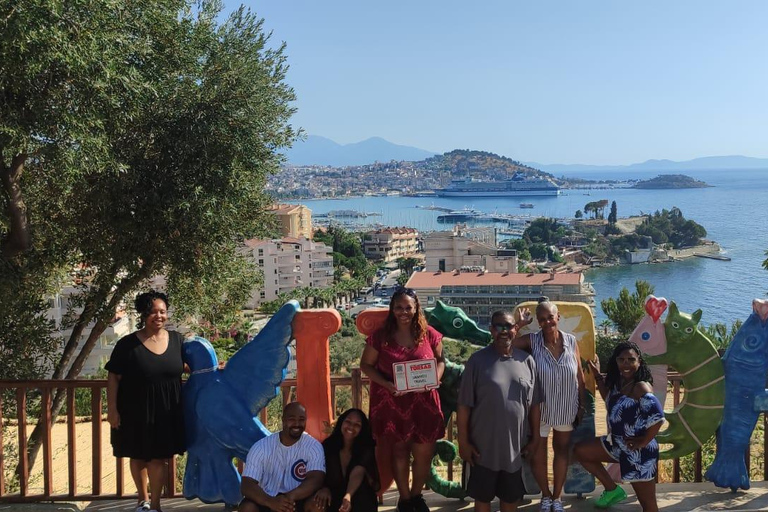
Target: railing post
{"points": [[765, 446], [71, 442], [697, 466], [450, 440], [2, 443], [676, 460], [357, 388], [170, 487], [21, 410], [47, 452], [96, 439]]}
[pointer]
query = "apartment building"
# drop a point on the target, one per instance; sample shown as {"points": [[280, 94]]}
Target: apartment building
{"points": [[391, 243], [295, 220], [60, 306], [289, 263], [462, 249], [480, 293]]}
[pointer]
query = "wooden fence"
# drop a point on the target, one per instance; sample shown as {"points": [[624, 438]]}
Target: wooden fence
{"points": [[46, 389]]}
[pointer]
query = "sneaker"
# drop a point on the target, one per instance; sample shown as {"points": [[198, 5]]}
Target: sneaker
{"points": [[404, 506], [546, 504], [143, 507], [608, 498], [418, 504], [557, 505]]}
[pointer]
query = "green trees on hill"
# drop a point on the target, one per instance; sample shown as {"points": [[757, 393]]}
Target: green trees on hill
{"points": [[669, 226], [347, 251], [596, 208]]}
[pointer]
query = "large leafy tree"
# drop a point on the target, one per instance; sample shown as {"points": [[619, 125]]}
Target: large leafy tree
{"points": [[170, 180], [627, 310]]}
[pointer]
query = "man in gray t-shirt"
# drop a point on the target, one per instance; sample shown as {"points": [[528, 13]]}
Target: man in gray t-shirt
{"points": [[498, 408]]}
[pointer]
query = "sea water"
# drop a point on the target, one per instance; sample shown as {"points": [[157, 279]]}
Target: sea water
{"points": [[734, 212]]}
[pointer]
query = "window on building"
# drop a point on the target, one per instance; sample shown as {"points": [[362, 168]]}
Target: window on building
{"points": [[261, 262], [262, 294], [441, 265], [261, 252]]}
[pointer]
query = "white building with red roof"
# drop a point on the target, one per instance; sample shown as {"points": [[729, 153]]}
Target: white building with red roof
{"points": [[480, 293]]}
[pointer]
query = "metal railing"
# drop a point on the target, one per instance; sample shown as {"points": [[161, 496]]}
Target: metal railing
{"points": [[45, 390]]}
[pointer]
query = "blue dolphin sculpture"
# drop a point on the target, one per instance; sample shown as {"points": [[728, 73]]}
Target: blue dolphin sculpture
{"points": [[746, 367], [220, 406]]}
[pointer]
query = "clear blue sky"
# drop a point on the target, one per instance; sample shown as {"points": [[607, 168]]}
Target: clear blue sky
{"points": [[549, 81]]}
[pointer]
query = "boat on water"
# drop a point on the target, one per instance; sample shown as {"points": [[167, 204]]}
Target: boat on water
{"points": [[519, 185], [463, 215], [526, 205]]}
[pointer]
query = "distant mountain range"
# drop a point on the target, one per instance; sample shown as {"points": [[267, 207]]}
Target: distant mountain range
{"points": [[697, 164], [316, 150]]}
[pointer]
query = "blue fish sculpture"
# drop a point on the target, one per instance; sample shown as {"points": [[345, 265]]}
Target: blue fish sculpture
{"points": [[746, 367], [220, 406]]}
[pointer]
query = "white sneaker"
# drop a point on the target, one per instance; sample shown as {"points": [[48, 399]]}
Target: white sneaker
{"points": [[143, 507], [557, 506], [546, 504]]}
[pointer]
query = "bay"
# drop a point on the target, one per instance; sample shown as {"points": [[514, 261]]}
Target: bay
{"points": [[734, 211]]}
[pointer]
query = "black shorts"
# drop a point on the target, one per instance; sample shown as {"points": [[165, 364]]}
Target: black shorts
{"points": [[299, 505], [484, 484]]}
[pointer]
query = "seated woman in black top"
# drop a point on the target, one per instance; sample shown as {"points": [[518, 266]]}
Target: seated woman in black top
{"points": [[351, 475]]}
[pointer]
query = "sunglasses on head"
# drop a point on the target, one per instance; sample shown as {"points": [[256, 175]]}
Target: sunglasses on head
{"points": [[402, 290], [506, 326]]}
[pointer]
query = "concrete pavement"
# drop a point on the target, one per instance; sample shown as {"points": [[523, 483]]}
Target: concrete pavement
{"points": [[702, 497]]}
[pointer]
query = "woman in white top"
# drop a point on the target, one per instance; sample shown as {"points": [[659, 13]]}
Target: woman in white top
{"points": [[558, 369]]}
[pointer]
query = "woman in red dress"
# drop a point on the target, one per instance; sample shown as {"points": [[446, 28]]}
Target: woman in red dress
{"points": [[409, 422]]}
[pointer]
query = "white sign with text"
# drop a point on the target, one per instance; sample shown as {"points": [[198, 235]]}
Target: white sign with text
{"points": [[415, 375]]}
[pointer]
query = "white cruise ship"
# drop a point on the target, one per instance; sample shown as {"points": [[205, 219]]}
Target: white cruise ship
{"points": [[519, 185]]}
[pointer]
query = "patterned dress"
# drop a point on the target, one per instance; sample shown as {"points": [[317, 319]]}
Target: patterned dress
{"points": [[628, 417], [415, 417]]}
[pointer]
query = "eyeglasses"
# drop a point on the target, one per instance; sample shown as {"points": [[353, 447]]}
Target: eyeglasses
{"points": [[503, 327]]}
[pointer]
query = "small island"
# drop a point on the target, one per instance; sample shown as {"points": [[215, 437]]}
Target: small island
{"points": [[671, 181]]}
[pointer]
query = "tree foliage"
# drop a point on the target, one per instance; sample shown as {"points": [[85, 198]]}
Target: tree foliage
{"points": [[544, 230], [146, 131], [347, 251], [596, 208], [627, 310], [520, 246], [613, 216], [670, 226]]}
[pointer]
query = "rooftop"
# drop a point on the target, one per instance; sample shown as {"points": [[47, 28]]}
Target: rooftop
{"points": [[452, 278]]}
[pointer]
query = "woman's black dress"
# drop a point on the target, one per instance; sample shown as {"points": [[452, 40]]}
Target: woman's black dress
{"points": [[364, 499], [148, 399]]}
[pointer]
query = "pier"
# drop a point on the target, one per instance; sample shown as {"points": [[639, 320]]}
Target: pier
{"points": [[719, 257]]}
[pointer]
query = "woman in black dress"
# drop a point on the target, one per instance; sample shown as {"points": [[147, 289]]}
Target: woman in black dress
{"points": [[144, 398], [351, 474]]}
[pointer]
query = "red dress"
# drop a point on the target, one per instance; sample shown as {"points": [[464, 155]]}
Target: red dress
{"points": [[415, 417]]}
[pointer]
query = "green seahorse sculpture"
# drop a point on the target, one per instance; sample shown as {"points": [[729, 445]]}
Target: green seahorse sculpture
{"points": [[454, 323], [694, 356]]}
